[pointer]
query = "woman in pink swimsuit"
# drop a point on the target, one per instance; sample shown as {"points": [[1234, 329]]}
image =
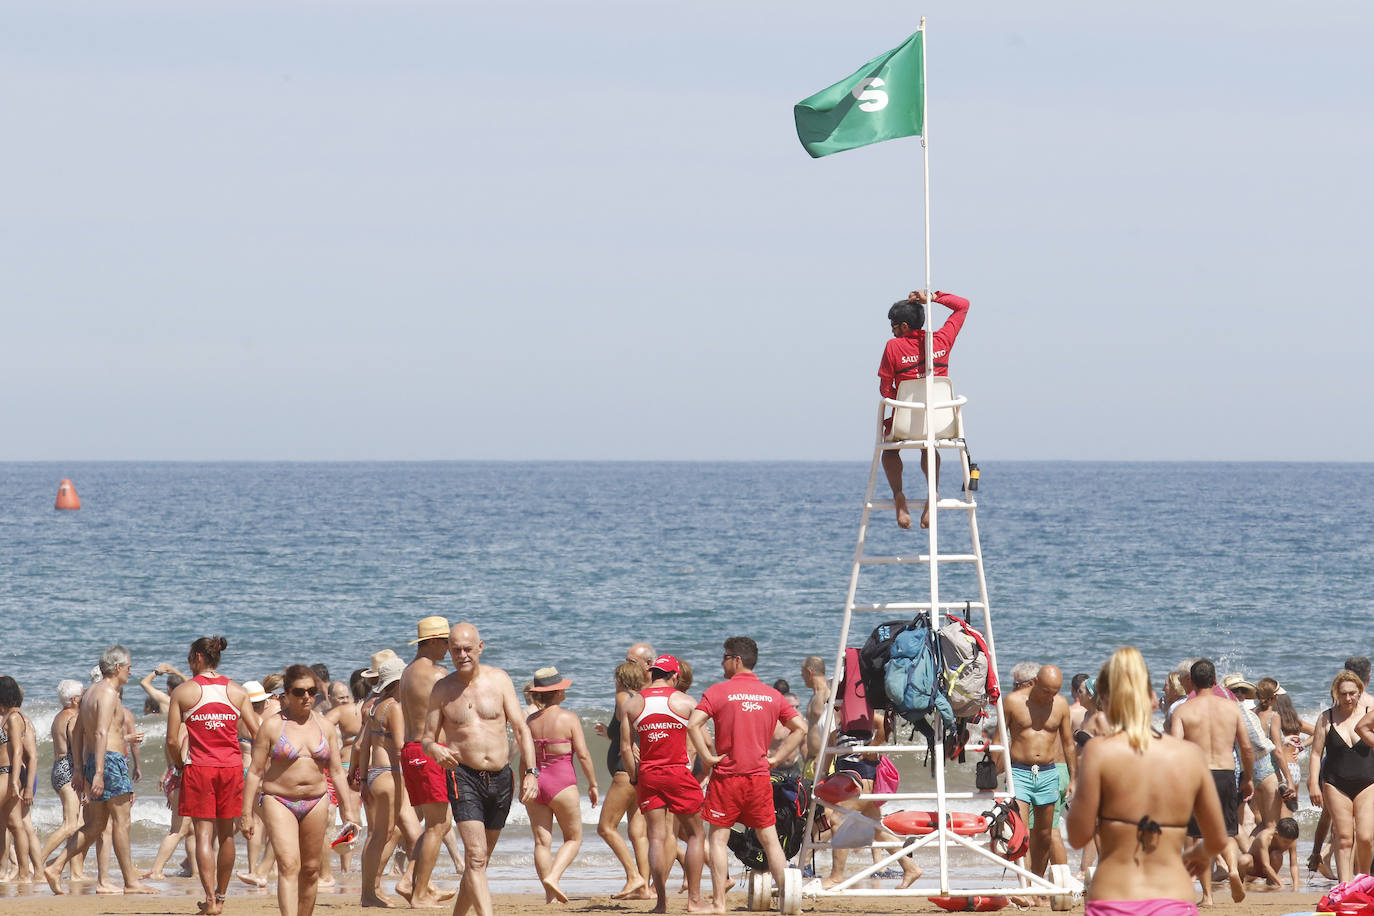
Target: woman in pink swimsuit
{"points": [[1136, 791], [291, 754], [557, 737]]}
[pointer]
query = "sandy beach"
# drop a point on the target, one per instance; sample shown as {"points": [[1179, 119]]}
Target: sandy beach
{"points": [[179, 899]]}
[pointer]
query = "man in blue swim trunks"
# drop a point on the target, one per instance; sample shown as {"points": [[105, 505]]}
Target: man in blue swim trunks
{"points": [[1038, 722], [98, 742]]}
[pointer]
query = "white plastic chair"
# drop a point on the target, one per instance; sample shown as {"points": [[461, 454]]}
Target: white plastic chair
{"points": [[909, 422]]}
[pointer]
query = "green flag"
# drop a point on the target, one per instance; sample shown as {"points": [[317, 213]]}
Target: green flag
{"points": [[882, 100]]}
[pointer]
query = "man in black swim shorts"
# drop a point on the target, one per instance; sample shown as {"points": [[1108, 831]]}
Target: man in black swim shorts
{"points": [[471, 708], [481, 795]]}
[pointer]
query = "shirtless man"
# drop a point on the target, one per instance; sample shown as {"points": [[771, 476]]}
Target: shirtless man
{"points": [[103, 779], [1038, 723], [642, 654], [426, 785], [471, 709], [1216, 725], [813, 675]]}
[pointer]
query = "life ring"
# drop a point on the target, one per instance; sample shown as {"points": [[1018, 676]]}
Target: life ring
{"points": [[920, 823], [970, 904]]}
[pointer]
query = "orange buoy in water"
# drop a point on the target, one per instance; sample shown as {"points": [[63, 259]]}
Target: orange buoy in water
{"points": [[66, 496]]}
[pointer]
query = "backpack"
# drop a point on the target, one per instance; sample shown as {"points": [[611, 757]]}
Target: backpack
{"points": [[873, 659], [791, 799], [1007, 833], [967, 679], [912, 680]]}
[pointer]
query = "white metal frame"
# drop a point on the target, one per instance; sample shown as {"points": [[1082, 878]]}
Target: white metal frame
{"points": [[942, 838]]}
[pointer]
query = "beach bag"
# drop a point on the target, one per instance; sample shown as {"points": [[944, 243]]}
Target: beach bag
{"points": [[966, 677], [912, 679], [1007, 833], [985, 772], [1351, 898]]}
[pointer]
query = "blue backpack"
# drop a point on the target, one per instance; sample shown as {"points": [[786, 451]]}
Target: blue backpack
{"points": [[912, 677]]}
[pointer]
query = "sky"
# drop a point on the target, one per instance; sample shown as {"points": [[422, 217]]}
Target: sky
{"points": [[408, 230]]}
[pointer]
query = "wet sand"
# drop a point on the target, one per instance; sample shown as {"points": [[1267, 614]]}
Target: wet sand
{"points": [[179, 899]]}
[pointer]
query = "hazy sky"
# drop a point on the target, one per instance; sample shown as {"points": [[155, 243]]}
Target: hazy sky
{"points": [[587, 230]]}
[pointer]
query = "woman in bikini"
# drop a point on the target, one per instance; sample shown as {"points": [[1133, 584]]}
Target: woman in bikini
{"points": [[11, 753], [1343, 784], [69, 695], [1136, 791], [291, 754], [558, 738], [377, 775]]}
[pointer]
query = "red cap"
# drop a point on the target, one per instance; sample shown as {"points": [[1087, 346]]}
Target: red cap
{"points": [[667, 664]]}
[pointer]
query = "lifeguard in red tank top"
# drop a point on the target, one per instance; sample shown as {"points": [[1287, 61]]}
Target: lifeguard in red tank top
{"points": [[212, 726], [662, 732]]}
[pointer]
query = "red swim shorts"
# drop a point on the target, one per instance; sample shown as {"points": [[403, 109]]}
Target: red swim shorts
{"points": [[211, 792], [744, 799], [425, 782], [673, 787]]}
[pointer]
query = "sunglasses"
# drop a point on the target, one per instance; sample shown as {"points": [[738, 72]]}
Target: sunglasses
{"points": [[304, 691]]}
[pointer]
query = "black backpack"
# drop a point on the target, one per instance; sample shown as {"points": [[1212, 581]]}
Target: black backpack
{"points": [[791, 799], [874, 655]]}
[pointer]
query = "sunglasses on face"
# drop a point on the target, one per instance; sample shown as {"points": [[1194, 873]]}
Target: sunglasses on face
{"points": [[304, 691]]}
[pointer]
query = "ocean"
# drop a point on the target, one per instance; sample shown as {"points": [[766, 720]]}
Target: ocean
{"points": [[1262, 567]]}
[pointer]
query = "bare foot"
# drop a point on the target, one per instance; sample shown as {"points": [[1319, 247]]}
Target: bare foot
{"points": [[403, 890], [327, 881], [552, 893], [830, 881], [698, 907], [155, 875], [903, 515], [925, 515], [140, 888], [911, 871], [660, 907], [377, 900], [441, 896], [103, 888], [631, 886], [252, 880], [1237, 887], [54, 879]]}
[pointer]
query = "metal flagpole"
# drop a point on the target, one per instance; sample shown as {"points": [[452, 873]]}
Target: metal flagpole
{"points": [[931, 456]]}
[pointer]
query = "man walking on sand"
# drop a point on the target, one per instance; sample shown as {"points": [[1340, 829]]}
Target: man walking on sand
{"points": [[1216, 725], [472, 709], [103, 777], [1038, 723], [424, 778], [740, 789]]}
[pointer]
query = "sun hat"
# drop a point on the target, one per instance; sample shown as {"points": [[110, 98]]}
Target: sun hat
{"points": [[377, 659], [388, 673], [549, 679], [1234, 682], [667, 664], [255, 692], [431, 628]]}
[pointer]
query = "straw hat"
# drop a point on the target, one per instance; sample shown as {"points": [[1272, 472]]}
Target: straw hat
{"points": [[377, 659], [1234, 682], [547, 679], [431, 628], [388, 673], [255, 692]]}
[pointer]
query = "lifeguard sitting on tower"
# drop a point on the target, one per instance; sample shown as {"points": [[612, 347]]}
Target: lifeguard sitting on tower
{"points": [[904, 358]]}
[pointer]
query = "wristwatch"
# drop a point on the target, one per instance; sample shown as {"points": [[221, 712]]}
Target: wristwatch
{"points": [[531, 771]]}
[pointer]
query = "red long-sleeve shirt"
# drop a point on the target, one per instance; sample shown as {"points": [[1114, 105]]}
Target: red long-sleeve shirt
{"points": [[904, 357]]}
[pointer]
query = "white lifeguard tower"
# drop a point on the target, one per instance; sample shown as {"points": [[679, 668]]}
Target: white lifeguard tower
{"points": [[927, 416]]}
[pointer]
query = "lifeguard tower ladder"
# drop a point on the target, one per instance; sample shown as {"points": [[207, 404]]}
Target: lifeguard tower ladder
{"points": [[939, 428]]}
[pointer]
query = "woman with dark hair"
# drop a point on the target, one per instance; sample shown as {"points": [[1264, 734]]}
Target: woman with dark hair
{"points": [[1137, 790], [206, 710], [558, 740], [12, 789], [292, 753], [1342, 775]]}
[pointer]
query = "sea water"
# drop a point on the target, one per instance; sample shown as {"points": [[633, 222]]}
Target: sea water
{"points": [[1262, 567]]}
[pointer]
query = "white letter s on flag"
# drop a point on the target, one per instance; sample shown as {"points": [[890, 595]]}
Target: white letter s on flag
{"points": [[870, 99]]}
